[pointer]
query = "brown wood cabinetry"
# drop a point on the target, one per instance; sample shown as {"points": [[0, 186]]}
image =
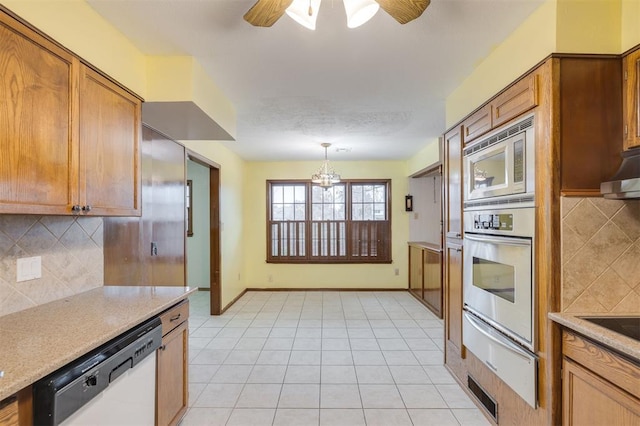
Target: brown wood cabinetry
{"points": [[631, 99], [453, 297], [69, 136], [515, 101], [425, 275], [172, 395], [9, 412], [598, 387], [577, 106], [478, 123]]}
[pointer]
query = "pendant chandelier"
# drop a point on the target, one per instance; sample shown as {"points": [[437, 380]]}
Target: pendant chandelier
{"points": [[305, 12], [326, 177]]}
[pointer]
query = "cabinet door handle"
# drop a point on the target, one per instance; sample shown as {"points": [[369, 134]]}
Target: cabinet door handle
{"points": [[459, 250], [75, 208], [175, 318], [86, 208], [162, 348]]}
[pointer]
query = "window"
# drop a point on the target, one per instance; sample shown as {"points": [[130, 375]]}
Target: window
{"points": [[347, 223]]}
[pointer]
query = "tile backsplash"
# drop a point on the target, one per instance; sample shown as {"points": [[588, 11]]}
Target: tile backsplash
{"points": [[72, 258], [600, 255]]}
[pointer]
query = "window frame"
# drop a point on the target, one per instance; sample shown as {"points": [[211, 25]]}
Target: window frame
{"points": [[354, 254]]}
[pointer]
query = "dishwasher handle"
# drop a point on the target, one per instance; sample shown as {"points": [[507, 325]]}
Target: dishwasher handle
{"points": [[120, 369]]}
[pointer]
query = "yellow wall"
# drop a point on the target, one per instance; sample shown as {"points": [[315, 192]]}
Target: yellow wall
{"points": [[630, 24], [231, 208], [425, 157], [525, 47], [588, 26], [75, 25], [258, 271]]}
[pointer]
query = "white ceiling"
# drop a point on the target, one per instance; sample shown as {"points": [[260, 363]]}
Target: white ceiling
{"points": [[378, 90]]}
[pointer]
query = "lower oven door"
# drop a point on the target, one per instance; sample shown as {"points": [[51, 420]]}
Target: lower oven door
{"points": [[498, 283], [516, 366]]}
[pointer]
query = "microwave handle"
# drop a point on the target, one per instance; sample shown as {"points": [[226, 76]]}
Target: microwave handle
{"points": [[501, 341], [498, 240]]}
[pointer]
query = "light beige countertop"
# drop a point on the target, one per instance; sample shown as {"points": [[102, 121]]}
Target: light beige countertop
{"points": [[623, 344], [39, 340], [424, 244]]}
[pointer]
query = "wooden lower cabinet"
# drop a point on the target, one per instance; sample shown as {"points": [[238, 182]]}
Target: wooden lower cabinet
{"points": [[9, 412], [599, 387], [172, 395], [425, 275]]}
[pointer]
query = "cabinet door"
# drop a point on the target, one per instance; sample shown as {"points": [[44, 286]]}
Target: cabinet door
{"points": [[415, 271], [453, 286], [109, 147], [453, 183], [516, 100], [631, 100], [587, 399], [478, 124], [172, 387], [432, 271], [37, 118], [9, 412]]}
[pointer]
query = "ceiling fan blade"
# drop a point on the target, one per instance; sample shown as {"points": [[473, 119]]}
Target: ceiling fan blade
{"points": [[266, 12], [404, 11]]}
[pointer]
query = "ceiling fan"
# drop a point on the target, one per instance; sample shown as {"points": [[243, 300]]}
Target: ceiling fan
{"points": [[266, 12]]}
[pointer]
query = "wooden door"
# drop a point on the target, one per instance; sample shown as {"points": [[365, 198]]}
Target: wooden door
{"points": [[415, 271], [172, 384], [590, 400], [109, 175], [453, 183], [38, 137], [453, 287], [432, 279], [631, 100]]}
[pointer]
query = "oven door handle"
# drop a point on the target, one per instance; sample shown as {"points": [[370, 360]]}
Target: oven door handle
{"points": [[498, 240], [502, 341]]}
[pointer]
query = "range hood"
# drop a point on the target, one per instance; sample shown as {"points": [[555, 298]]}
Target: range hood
{"points": [[625, 184]]}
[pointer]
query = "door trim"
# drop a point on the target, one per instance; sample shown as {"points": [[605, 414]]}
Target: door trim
{"points": [[215, 284]]}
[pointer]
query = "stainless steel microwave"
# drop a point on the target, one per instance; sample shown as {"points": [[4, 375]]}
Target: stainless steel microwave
{"points": [[501, 164]]}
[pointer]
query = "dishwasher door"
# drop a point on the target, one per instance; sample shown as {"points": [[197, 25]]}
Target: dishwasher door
{"points": [[127, 401]]}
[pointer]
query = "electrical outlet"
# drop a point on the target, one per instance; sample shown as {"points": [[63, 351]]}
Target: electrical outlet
{"points": [[397, 271], [270, 278], [29, 268], [415, 216]]}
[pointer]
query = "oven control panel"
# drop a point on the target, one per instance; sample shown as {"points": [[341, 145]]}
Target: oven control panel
{"points": [[501, 222]]}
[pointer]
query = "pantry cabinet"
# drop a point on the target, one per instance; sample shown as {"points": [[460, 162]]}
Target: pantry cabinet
{"points": [[69, 135], [172, 395], [631, 99]]}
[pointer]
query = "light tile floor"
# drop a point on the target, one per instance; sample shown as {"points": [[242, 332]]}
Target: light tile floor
{"points": [[321, 358]]}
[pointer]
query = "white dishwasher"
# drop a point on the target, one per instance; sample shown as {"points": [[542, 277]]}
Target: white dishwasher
{"points": [[113, 385]]}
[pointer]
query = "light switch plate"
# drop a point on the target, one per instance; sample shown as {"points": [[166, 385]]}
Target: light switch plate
{"points": [[29, 268]]}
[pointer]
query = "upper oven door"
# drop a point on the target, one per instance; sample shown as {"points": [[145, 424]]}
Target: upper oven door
{"points": [[496, 170], [497, 277]]}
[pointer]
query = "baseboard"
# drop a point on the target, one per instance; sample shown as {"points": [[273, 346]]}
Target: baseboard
{"points": [[327, 289], [234, 301]]}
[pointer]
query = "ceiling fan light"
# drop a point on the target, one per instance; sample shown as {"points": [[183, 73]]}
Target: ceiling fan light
{"points": [[359, 11], [299, 12]]}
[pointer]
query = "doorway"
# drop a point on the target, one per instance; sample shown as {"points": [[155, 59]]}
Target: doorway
{"points": [[204, 230]]}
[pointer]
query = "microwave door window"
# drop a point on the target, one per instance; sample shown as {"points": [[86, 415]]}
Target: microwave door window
{"points": [[495, 278], [489, 172]]}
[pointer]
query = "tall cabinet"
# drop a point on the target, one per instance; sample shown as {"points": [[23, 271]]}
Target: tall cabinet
{"points": [[566, 92], [453, 243]]}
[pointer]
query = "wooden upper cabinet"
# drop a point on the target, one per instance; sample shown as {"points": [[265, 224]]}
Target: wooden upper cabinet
{"points": [[453, 183], [37, 136], [516, 100], [109, 147], [631, 100], [477, 124], [69, 137]]}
